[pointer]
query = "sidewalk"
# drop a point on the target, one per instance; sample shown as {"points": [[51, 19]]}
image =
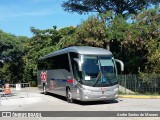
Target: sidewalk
{"points": [[140, 96], [28, 92], [16, 94]]}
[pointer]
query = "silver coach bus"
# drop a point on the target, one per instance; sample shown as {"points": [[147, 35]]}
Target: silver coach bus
{"points": [[80, 73]]}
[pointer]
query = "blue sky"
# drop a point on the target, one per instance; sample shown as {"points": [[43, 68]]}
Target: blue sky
{"points": [[17, 16]]}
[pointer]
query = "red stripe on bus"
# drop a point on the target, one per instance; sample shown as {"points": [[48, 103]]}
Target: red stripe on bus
{"points": [[70, 81]]}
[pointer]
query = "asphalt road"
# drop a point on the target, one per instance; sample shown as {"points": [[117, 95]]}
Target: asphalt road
{"points": [[31, 99]]}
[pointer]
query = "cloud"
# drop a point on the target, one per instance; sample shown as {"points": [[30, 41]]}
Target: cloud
{"points": [[12, 11], [31, 8], [42, 12], [6, 14], [38, 1]]}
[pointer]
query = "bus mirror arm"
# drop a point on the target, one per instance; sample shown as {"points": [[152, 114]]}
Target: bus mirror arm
{"points": [[79, 64], [121, 63]]}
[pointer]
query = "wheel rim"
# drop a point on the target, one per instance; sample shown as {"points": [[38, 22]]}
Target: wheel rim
{"points": [[69, 95]]}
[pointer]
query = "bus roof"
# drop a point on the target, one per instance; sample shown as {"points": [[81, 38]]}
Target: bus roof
{"points": [[85, 50]]}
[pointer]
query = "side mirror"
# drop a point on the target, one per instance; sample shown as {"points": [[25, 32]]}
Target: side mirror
{"points": [[121, 63], [79, 64]]}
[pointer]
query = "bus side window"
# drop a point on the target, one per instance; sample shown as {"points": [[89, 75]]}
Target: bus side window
{"points": [[60, 62]]}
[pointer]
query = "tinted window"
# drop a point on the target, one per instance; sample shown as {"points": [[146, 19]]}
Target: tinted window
{"points": [[56, 62]]}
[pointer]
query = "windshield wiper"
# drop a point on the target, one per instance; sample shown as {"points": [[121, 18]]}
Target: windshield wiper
{"points": [[99, 74], [97, 79]]}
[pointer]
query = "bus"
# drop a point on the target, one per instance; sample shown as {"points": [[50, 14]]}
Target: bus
{"points": [[81, 73]]}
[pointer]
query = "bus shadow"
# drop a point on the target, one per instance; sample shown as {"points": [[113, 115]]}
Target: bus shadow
{"points": [[84, 103], [56, 96]]}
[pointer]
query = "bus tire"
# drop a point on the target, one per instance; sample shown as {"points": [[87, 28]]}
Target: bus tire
{"points": [[69, 96]]}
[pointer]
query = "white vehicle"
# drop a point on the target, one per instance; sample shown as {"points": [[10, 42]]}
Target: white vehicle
{"points": [[80, 73]]}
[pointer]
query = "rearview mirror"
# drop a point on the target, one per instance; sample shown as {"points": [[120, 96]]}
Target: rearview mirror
{"points": [[121, 64], [79, 64]]}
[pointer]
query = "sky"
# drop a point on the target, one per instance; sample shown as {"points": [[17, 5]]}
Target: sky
{"points": [[17, 16]]}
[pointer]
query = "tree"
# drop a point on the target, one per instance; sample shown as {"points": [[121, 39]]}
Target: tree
{"points": [[148, 22], [134, 43], [93, 32], [11, 52], [87, 34], [67, 38], [139, 41], [42, 43], [123, 7]]}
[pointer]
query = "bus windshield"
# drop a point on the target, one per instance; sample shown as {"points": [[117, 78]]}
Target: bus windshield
{"points": [[98, 71]]}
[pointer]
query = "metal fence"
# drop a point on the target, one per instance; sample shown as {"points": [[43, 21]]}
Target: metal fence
{"points": [[134, 84]]}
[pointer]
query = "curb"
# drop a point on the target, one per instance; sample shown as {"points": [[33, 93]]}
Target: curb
{"points": [[139, 96]]}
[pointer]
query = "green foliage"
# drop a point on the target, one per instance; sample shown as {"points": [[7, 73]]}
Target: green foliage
{"points": [[136, 43], [149, 78], [139, 41], [67, 38], [148, 24], [123, 7], [42, 43], [11, 53], [92, 32]]}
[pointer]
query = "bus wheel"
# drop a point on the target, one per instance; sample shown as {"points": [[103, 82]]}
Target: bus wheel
{"points": [[69, 96]]}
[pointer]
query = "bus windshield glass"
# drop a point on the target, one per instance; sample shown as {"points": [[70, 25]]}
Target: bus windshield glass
{"points": [[98, 71]]}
